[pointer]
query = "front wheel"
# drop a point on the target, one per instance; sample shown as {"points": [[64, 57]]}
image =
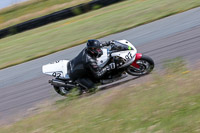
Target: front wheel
{"points": [[146, 65]]}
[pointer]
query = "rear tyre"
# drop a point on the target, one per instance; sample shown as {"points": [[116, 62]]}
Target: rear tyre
{"points": [[146, 66], [63, 91]]}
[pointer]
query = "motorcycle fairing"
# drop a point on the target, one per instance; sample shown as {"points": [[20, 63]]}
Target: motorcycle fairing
{"points": [[123, 49], [103, 60], [128, 55], [57, 69], [121, 45]]}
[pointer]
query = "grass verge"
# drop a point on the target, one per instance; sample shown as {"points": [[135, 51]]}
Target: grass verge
{"points": [[168, 103], [67, 33], [32, 9]]}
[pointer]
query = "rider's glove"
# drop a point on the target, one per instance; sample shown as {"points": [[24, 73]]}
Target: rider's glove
{"points": [[111, 42], [107, 43]]}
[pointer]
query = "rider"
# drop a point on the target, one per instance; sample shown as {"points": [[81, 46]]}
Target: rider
{"points": [[84, 69]]}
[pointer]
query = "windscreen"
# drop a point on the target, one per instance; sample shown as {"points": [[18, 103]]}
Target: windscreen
{"points": [[120, 47]]}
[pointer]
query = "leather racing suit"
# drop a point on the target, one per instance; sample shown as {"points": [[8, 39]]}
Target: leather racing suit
{"points": [[83, 69]]}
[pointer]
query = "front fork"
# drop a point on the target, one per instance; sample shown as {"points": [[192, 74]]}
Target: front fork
{"points": [[137, 57]]}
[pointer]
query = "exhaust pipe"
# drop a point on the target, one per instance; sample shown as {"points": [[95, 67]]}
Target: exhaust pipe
{"points": [[60, 83]]}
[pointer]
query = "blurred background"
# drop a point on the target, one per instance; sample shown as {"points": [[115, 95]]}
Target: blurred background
{"points": [[165, 101], [6, 3]]}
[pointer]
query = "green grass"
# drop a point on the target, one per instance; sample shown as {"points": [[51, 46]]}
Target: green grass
{"points": [[175, 65], [67, 33], [32, 9], [167, 103]]}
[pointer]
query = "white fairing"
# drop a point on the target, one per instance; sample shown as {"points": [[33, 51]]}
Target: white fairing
{"points": [[103, 59], [128, 55], [126, 43], [56, 69]]}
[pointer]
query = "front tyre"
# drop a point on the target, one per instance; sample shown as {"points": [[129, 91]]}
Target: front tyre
{"points": [[146, 65]]}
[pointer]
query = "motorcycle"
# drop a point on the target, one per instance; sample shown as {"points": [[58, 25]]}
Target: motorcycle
{"points": [[121, 52]]}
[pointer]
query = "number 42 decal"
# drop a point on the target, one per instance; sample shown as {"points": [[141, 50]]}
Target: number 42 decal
{"points": [[56, 74]]}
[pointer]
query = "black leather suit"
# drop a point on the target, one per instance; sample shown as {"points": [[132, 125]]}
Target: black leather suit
{"points": [[84, 69]]}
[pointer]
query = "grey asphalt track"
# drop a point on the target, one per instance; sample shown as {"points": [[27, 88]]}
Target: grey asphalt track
{"points": [[24, 86]]}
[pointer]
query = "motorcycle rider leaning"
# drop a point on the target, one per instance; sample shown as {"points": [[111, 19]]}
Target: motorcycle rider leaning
{"points": [[84, 69]]}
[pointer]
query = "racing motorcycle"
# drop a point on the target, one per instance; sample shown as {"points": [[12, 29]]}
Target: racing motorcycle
{"points": [[121, 52]]}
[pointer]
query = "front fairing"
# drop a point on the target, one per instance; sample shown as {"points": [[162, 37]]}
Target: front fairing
{"points": [[119, 46], [125, 50]]}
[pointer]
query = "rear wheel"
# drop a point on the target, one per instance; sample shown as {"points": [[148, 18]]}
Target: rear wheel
{"points": [[63, 91], [146, 65]]}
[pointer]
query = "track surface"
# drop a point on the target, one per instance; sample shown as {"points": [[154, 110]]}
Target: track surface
{"points": [[24, 86]]}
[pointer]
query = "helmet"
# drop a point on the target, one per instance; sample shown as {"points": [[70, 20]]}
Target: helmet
{"points": [[94, 48]]}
